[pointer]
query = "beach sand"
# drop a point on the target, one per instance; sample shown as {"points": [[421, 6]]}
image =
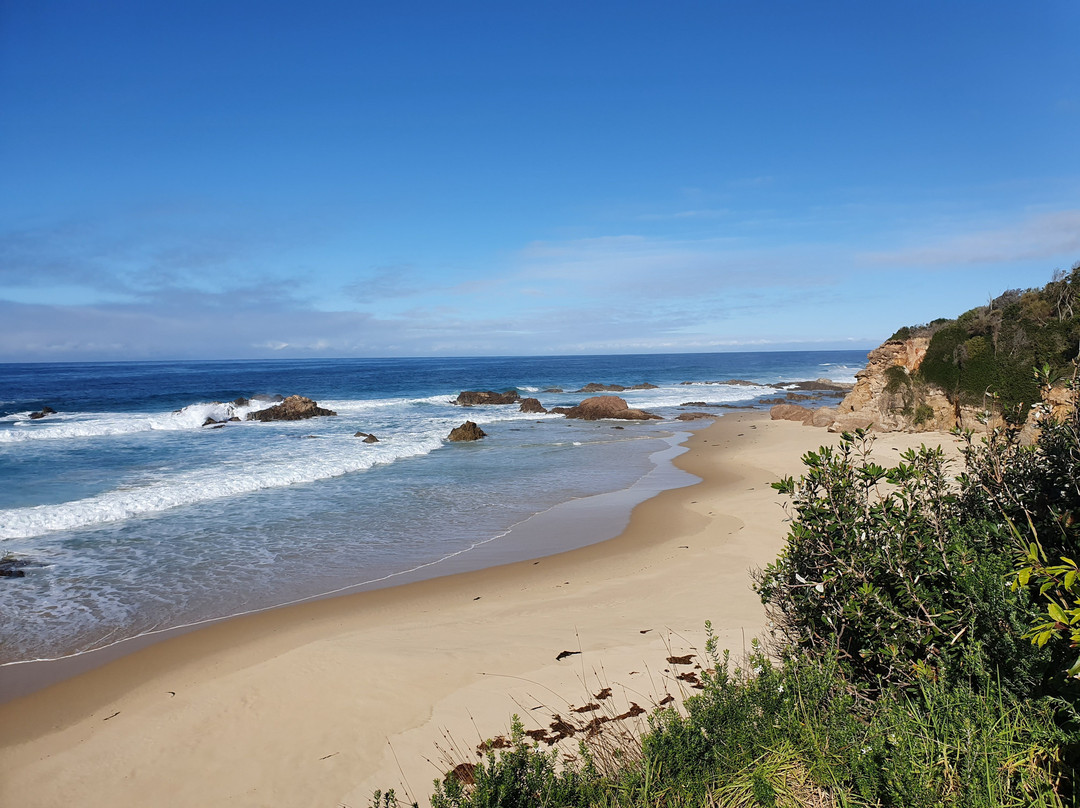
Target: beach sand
{"points": [[320, 704]]}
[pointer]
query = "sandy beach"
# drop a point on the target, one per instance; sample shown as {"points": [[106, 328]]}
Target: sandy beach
{"points": [[320, 704]]}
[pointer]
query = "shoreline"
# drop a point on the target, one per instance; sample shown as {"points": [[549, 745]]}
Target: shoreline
{"points": [[575, 523], [322, 702]]}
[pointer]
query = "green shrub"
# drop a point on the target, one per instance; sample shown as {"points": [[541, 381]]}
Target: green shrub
{"points": [[890, 577]]}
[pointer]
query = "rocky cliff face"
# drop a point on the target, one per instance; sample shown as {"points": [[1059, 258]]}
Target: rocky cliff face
{"points": [[887, 398]]}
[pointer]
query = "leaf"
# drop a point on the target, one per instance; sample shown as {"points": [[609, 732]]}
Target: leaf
{"points": [[1057, 613]]}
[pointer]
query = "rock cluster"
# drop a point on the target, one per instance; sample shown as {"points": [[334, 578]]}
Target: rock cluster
{"points": [[211, 422], [367, 436], [293, 408], [46, 410], [694, 416]]}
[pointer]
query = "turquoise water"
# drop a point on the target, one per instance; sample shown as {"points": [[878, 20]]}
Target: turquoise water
{"points": [[140, 518]]}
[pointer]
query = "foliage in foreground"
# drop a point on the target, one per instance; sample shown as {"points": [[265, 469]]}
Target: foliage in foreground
{"points": [[928, 626], [793, 734]]}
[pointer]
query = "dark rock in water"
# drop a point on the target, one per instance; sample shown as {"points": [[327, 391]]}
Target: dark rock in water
{"points": [[235, 418], [531, 405], [554, 390], [210, 421], [241, 402], [469, 398], [467, 431], [816, 386], [693, 404], [14, 567], [597, 407], [46, 410], [694, 416], [560, 410], [594, 387], [294, 408], [368, 438]]}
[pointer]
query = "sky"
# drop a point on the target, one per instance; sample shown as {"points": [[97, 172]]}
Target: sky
{"points": [[254, 178]]}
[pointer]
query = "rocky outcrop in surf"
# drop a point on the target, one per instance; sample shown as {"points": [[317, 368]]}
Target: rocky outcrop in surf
{"points": [[472, 398], [599, 407], [531, 405], [595, 387], [46, 410], [293, 408], [466, 432]]}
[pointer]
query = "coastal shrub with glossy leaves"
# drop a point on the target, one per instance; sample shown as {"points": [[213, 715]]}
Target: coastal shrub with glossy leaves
{"points": [[881, 568]]}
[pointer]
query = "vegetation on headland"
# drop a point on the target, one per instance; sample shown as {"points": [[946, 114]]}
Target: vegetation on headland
{"points": [[926, 628], [990, 350]]}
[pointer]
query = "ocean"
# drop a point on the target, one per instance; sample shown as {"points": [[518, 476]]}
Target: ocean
{"points": [[133, 517]]}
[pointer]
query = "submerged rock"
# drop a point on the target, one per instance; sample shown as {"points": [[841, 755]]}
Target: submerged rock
{"points": [[12, 566], [368, 437], [467, 431], [294, 408], [46, 410]]}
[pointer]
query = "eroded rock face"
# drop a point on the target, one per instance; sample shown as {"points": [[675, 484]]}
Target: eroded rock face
{"points": [[470, 398], [532, 405], [467, 431], [293, 408], [597, 407], [870, 382]]}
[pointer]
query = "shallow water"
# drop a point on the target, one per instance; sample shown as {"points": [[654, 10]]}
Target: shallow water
{"points": [[143, 519]]}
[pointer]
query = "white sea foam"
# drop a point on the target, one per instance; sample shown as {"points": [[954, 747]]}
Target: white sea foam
{"points": [[64, 426], [284, 467], [680, 394]]}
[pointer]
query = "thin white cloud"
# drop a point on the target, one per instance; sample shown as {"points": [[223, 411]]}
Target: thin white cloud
{"points": [[706, 213], [1043, 236]]}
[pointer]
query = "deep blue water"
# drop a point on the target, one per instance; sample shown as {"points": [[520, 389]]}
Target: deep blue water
{"points": [[141, 518]]}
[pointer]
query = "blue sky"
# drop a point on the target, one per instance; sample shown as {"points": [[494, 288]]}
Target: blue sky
{"points": [[246, 179]]}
